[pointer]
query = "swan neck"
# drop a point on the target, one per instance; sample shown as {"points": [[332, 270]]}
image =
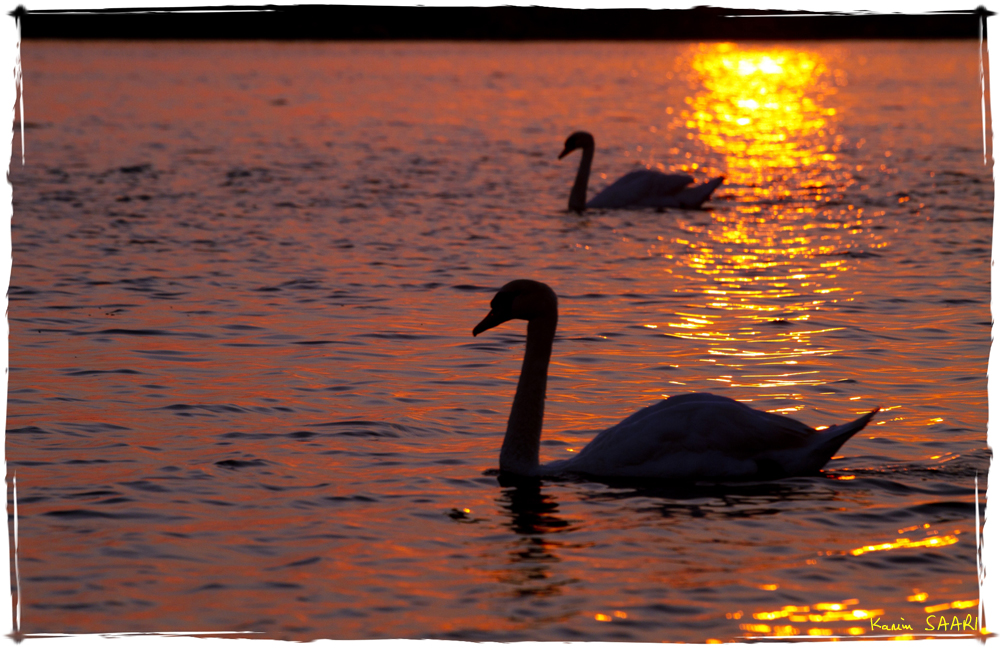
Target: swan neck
{"points": [[578, 195], [519, 453]]}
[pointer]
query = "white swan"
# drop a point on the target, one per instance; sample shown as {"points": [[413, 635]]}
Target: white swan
{"points": [[642, 188], [694, 436]]}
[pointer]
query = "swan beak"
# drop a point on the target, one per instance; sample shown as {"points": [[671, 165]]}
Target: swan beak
{"points": [[565, 153], [491, 321]]}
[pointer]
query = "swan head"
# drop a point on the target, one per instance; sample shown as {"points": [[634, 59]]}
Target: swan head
{"points": [[523, 299], [579, 140]]}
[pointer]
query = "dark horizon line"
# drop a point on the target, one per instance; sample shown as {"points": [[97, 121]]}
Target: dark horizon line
{"points": [[507, 23]]}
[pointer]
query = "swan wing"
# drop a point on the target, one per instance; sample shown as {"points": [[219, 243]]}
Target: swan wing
{"points": [[641, 187], [820, 449], [693, 197], [706, 436]]}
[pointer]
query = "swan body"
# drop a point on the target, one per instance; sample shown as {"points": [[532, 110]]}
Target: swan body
{"points": [[641, 188], [697, 436]]}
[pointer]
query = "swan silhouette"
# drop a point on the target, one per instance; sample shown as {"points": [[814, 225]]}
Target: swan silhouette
{"points": [[693, 436], [641, 188]]}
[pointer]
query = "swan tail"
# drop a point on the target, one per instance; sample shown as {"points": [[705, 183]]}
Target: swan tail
{"points": [[693, 197], [833, 439]]}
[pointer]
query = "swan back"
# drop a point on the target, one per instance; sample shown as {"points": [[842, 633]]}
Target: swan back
{"points": [[705, 436], [642, 187]]}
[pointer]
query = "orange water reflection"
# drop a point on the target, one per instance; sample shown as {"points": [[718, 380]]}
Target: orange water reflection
{"points": [[796, 620], [766, 267], [765, 110], [848, 618], [904, 542], [851, 620], [764, 273]]}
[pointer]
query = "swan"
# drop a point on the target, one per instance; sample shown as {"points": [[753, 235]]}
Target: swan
{"points": [[641, 188], [696, 436]]}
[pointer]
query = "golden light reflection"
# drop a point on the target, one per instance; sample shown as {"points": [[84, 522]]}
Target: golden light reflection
{"points": [[761, 280], [785, 621], [764, 109], [782, 622], [932, 542], [820, 613], [755, 627], [908, 529], [778, 253], [958, 604]]}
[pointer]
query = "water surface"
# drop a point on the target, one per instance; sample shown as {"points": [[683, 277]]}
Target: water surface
{"points": [[244, 394]]}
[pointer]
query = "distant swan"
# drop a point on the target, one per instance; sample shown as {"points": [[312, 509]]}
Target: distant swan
{"points": [[641, 188], [686, 437]]}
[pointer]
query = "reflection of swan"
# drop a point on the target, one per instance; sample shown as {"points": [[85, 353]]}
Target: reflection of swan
{"points": [[533, 513], [642, 188], [694, 436], [532, 557]]}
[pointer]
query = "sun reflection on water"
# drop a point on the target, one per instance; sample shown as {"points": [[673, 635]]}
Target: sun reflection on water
{"points": [[765, 110], [903, 542], [796, 620], [777, 256], [843, 612]]}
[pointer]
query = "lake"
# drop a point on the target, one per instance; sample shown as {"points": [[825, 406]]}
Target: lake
{"points": [[244, 394]]}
